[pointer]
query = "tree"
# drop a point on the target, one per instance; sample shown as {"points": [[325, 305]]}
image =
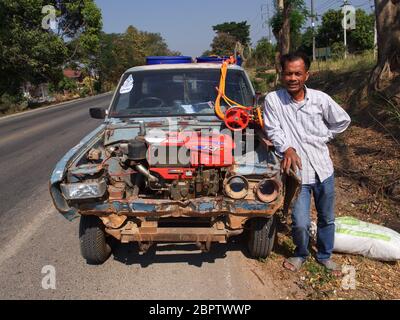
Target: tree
{"points": [[307, 41], [264, 52], [28, 52], [223, 44], [240, 31], [386, 74], [119, 52], [331, 31], [287, 22]]}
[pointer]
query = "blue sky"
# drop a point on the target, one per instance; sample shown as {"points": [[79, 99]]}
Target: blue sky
{"points": [[186, 25]]}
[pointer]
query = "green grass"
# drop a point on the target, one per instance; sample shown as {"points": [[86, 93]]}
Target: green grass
{"points": [[358, 62], [318, 275]]}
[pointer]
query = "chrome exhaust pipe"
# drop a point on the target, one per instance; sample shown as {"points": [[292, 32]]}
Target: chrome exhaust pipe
{"points": [[141, 169]]}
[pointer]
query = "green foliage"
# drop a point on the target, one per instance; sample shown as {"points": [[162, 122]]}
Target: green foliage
{"points": [[97, 86], [223, 44], [84, 92], [67, 85], [240, 31], [119, 52], [12, 103], [264, 52], [331, 31], [306, 41], [30, 53], [337, 50], [298, 17]]}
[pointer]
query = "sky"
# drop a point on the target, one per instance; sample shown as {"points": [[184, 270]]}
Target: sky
{"points": [[186, 25]]}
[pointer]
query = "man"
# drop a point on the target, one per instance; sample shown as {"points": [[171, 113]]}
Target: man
{"points": [[300, 121]]}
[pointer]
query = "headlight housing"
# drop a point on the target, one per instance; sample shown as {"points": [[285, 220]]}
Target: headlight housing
{"points": [[86, 190], [268, 190], [236, 187]]}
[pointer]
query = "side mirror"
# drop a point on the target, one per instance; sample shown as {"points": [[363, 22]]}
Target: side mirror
{"points": [[97, 113]]}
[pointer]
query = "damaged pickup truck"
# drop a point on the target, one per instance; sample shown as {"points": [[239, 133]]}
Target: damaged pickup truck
{"points": [[163, 167]]}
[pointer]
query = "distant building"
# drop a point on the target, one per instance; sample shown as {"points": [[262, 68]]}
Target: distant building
{"points": [[73, 74]]}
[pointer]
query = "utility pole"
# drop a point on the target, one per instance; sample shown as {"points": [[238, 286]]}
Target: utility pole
{"points": [[269, 24], [266, 16], [345, 29], [313, 30]]}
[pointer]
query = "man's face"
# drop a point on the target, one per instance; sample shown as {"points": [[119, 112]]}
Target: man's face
{"points": [[294, 76]]}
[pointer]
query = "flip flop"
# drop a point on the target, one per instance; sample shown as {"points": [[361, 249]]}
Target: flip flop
{"points": [[293, 264]]}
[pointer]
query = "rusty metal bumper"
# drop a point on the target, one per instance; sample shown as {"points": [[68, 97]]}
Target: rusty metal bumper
{"points": [[199, 207]]}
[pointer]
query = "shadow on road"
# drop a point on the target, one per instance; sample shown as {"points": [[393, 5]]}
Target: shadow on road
{"points": [[176, 253]]}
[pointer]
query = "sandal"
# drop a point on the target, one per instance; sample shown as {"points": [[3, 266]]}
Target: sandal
{"points": [[332, 266], [293, 264]]}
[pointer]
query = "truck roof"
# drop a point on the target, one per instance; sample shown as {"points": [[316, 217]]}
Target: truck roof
{"points": [[182, 66]]}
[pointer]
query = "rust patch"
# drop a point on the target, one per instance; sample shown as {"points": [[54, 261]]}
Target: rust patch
{"points": [[113, 221], [236, 222]]}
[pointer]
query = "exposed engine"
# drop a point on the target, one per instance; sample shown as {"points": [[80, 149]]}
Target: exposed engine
{"points": [[177, 166], [182, 165]]}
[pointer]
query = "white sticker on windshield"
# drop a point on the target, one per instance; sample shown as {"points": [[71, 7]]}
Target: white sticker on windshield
{"points": [[127, 86], [188, 108]]}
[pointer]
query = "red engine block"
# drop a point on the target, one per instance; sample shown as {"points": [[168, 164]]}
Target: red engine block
{"points": [[194, 149]]}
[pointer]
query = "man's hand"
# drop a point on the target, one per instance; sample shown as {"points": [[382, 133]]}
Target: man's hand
{"points": [[290, 160]]}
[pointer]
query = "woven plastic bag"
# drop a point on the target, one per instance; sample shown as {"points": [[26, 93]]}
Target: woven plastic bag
{"points": [[367, 239]]}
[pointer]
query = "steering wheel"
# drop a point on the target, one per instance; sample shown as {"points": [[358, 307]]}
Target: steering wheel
{"points": [[151, 102]]}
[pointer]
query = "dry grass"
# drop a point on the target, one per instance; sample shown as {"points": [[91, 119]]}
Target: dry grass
{"points": [[357, 62]]}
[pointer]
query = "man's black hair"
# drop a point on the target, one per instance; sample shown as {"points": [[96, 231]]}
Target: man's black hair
{"points": [[290, 57]]}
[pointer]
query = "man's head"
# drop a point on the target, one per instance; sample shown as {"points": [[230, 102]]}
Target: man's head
{"points": [[295, 67]]}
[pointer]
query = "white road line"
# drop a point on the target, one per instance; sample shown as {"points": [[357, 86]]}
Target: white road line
{"points": [[23, 235]]}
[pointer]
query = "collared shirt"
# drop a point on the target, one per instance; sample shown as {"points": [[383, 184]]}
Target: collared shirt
{"points": [[305, 126]]}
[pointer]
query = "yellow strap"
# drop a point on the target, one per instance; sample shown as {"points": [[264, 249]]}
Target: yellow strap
{"points": [[230, 102]]}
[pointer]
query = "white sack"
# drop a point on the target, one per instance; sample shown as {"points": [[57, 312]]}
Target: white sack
{"points": [[370, 240]]}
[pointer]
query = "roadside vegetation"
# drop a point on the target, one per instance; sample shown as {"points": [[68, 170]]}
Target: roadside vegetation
{"points": [[42, 63]]}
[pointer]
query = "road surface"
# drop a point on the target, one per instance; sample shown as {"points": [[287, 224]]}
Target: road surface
{"points": [[34, 235]]}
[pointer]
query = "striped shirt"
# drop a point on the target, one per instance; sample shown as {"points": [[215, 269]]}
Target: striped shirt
{"points": [[305, 126]]}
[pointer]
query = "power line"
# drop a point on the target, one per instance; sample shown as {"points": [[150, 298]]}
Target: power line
{"points": [[328, 6], [266, 16]]}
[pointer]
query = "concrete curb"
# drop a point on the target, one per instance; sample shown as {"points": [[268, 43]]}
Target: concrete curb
{"points": [[55, 105]]}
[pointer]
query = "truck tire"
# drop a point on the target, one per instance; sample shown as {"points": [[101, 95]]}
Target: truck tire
{"points": [[92, 237], [262, 233]]}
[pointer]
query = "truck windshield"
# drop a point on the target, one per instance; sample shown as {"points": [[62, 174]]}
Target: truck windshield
{"points": [[177, 92]]}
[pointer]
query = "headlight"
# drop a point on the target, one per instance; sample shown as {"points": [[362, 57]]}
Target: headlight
{"points": [[236, 187], [86, 190], [268, 190]]}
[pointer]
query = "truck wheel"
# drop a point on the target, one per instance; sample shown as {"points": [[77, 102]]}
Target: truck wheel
{"points": [[262, 233], [94, 247]]}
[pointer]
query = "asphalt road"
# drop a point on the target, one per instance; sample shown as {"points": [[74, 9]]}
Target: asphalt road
{"points": [[34, 235]]}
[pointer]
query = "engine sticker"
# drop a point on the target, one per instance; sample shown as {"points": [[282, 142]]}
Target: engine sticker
{"points": [[127, 86]]}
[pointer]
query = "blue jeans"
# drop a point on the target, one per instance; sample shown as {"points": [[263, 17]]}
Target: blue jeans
{"points": [[324, 196]]}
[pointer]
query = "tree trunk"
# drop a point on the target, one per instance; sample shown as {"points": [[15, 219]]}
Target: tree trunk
{"points": [[385, 77], [283, 36], [285, 32]]}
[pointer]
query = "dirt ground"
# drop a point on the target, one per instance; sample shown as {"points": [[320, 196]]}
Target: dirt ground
{"points": [[367, 170]]}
